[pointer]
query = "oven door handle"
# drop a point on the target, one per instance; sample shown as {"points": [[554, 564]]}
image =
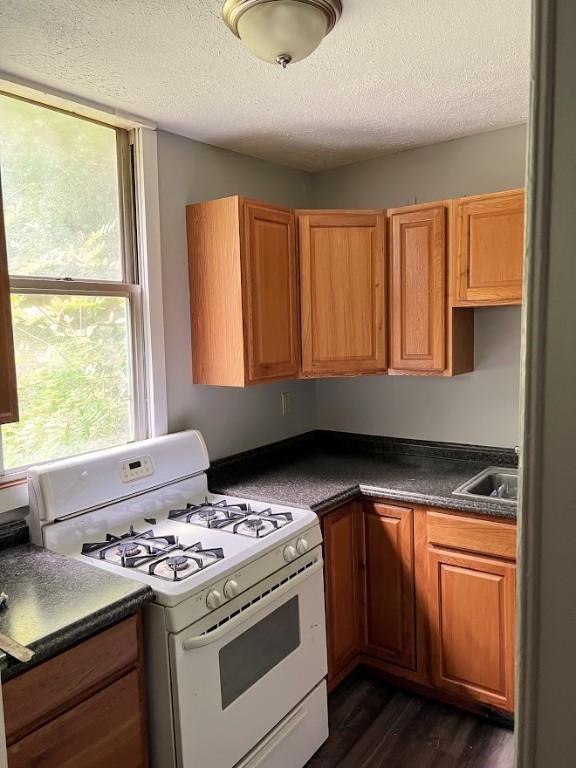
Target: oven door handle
{"points": [[211, 637]]}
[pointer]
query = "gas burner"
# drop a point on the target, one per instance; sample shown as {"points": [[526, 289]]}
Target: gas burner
{"points": [[185, 562], [160, 556], [177, 563], [129, 549], [253, 523], [209, 514], [237, 517]]}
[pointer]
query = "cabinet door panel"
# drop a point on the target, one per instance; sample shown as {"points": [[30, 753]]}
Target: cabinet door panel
{"points": [[341, 578], [417, 274], [472, 633], [8, 393], [388, 584], [270, 295], [342, 292], [489, 243], [106, 730]]}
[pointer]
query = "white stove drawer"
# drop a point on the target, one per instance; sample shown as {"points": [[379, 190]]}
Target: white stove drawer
{"points": [[294, 741]]}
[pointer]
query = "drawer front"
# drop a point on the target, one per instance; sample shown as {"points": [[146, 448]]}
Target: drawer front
{"points": [[54, 686], [470, 534], [105, 730]]}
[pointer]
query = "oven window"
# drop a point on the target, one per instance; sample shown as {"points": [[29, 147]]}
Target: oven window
{"points": [[258, 650]]}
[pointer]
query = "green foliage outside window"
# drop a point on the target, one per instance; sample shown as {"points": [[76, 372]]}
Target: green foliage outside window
{"points": [[60, 188]]}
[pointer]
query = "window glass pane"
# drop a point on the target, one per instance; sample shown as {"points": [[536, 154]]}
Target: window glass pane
{"points": [[73, 366], [60, 185]]}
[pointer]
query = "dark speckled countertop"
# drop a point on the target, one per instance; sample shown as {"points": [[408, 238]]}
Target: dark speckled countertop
{"points": [[323, 469], [57, 601]]}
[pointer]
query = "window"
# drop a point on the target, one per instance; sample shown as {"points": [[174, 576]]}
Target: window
{"points": [[76, 301]]}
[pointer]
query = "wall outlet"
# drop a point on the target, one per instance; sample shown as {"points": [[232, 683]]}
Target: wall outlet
{"points": [[286, 401]]}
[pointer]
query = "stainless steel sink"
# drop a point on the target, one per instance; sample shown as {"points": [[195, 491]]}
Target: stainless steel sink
{"points": [[497, 483]]}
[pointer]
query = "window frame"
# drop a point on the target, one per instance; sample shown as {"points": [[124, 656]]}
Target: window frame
{"points": [[129, 287]]}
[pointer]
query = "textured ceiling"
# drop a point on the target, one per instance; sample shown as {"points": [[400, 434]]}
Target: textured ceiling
{"points": [[393, 74]]}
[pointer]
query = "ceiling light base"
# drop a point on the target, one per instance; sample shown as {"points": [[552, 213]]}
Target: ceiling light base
{"points": [[234, 9]]}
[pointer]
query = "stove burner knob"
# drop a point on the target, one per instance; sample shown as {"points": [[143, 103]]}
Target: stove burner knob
{"points": [[301, 546], [290, 553], [214, 599], [231, 589]]}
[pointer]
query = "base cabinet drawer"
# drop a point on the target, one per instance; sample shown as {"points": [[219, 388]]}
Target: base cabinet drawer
{"points": [[58, 684], [105, 730], [472, 621]]}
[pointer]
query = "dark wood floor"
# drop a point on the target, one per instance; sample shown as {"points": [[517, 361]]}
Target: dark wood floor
{"points": [[373, 725]]}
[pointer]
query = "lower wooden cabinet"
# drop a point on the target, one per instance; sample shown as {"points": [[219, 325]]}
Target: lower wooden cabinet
{"points": [[84, 707], [472, 613], [425, 596], [105, 730], [340, 532], [387, 584]]}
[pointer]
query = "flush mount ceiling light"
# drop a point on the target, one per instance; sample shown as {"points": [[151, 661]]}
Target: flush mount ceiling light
{"points": [[281, 31]]}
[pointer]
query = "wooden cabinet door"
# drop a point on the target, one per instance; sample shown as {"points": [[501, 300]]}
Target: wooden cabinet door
{"points": [[8, 393], [107, 729], [270, 293], [342, 285], [472, 615], [418, 289], [489, 249], [387, 564], [341, 581]]}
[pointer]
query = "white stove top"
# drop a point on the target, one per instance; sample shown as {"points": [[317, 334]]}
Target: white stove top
{"points": [[148, 515], [112, 509]]}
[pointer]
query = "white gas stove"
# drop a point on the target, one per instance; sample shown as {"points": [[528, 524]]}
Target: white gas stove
{"points": [[235, 637]]}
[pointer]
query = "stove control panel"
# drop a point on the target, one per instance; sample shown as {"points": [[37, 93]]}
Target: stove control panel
{"points": [[136, 468]]}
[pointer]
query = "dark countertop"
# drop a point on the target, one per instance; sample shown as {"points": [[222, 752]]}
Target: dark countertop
{"points": [[57, 601], [324, 470]]}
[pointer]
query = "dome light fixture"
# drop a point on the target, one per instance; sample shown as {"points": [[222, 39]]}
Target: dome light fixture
{"points": [[281, 31]]}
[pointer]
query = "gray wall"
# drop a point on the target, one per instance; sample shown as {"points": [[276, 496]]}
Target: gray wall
{"points": [[231, 419], [480, 407]]}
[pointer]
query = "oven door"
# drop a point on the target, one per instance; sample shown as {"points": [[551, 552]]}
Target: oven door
{"points": [[234, 681]]}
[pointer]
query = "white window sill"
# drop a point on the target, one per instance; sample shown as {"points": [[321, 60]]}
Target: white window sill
{"points": [[13, 496]]}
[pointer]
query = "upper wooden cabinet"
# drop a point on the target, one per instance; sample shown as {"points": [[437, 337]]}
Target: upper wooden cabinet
{"points": [[268, 303], [8, 392], [427, 336], [243, 292], [418, 289], [489, 249], [342, 290]]}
